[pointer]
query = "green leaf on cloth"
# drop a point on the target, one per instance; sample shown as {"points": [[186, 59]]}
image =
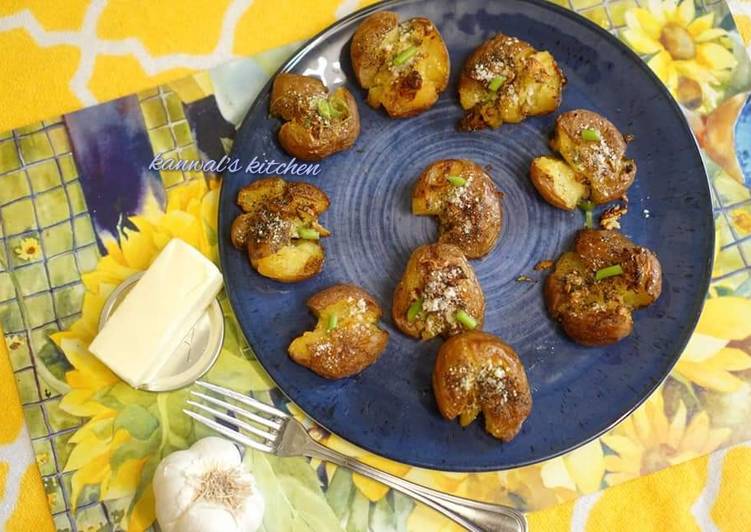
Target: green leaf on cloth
{"points": [[294, 500]]}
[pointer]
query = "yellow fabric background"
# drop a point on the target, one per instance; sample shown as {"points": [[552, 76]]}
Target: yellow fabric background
{"points": [[56, 57]]}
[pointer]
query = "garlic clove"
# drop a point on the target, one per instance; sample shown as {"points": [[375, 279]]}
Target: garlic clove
{"points": [[175, 491], [205, 516], [250, 515], [218, 451]]}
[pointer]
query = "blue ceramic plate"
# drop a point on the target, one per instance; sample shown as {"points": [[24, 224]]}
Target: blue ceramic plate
{"points": [[578, 392]]}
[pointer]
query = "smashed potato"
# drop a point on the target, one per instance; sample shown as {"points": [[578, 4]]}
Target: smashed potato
{"points": [[346, 339], [466, 202], [403, 66], [478, 372], [438, 294], [317, 122], [592, 166], [506, 80], [594, 289], [279, 228]]}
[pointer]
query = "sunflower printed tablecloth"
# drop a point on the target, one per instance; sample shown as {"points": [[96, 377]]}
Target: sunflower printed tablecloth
{"points": [[80, 212]]}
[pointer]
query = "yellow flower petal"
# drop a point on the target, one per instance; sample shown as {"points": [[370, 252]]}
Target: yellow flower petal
{"points": [[586, 466], [669, 8], [697, 432], [622, 445], [641, 42], [658, 9], [726, 317], [717, 437], [701, 347], [641, 20], [731, 359], [143, 512], [124, 481], [685, 12], [374, 491], [660, 63], [677, 426], [701, 24], [715, 56], [444, 481], [710, 35], [93, 472], [642, 426], [693, 70], [424, 518], [706, 376], [655, 412], [77, 403], [555, 475]]}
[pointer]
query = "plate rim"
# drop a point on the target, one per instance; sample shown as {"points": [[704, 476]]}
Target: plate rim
{"points": [[704, 284]]}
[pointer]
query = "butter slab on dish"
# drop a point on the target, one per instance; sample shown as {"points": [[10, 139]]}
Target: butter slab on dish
{"points": [[149, 325]]}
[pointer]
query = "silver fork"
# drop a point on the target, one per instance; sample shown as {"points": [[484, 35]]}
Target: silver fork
{"points": [[269, 430]]}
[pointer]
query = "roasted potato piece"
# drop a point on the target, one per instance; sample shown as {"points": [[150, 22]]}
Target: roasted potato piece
{"points": [[593, 163], [403, 66], [594, 288], [557, 183], [466, 202], [346, 339], [506, 80], [438, 295], [317, 122], [280, 229], [478, 372]]}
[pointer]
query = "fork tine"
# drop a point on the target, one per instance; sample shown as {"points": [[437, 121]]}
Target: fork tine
{"points": [[231, 434], [244, 399], [234, 421], [237, 410]]}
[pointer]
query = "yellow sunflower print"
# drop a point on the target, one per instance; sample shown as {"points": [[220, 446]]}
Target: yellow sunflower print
{"points": [[648, 440], [112, 449], [688, 53]]}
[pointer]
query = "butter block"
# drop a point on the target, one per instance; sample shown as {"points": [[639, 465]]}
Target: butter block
{"points": [[157, 314]]}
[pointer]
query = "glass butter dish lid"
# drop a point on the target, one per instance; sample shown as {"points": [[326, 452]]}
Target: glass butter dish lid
{"points": [[196, 353]]}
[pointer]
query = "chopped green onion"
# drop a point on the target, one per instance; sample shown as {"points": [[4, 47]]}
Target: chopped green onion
{"points": [[496, 83], [610, 271], [590, 134], [588, 222], [324, 109], [308, 234], [586, 206], [333, 321], [405, 55], [338, 107], [467, 321], [456, 180], [414, 310]]}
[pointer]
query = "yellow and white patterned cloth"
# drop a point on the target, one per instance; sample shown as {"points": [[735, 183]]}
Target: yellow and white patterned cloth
{"points": [[56, 57]]}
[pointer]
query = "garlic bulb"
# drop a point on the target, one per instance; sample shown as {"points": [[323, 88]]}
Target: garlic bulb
{"points": [[206, 489]]}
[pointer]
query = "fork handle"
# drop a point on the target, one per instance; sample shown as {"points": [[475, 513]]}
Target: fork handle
{"points": [[472, 515]]}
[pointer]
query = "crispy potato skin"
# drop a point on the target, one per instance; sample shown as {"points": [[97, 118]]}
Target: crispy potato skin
{"points": [[599, 312], [598, 170], [469, 216], [306, 134], [274, 210], [532, 83], [405, 89], [476, 371], [353, 345], [557, 183], [442, 277]]}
